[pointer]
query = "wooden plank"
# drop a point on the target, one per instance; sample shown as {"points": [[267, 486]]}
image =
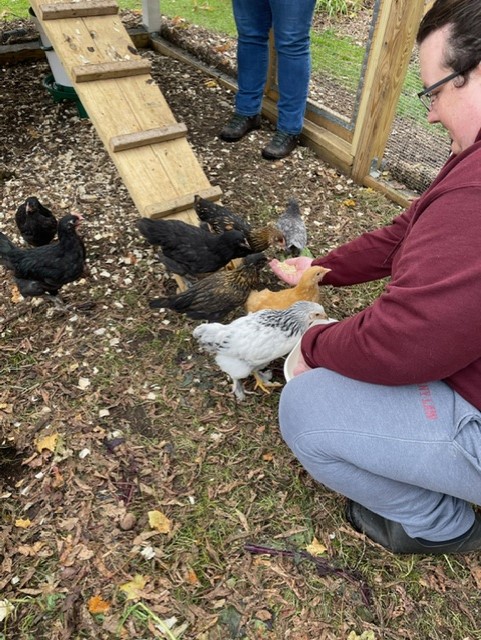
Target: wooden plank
{"points": [[149, 136], [403, 198], [386, 69], [91, 40], [80, 9], [161, 209], [162, 170], [108, 70]]}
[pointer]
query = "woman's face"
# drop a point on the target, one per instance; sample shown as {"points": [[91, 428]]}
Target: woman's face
{"points": [[456, 104]]}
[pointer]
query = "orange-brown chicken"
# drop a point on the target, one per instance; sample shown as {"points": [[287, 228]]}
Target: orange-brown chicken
{"points": [[306, 289]]}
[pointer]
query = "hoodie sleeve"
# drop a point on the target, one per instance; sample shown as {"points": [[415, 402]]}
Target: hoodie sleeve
{"points": [[426, 325], [367, 257]]}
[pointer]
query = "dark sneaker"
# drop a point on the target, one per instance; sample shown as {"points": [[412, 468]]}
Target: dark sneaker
{"points": [[238, 127], [281, 145], [392, 536]]}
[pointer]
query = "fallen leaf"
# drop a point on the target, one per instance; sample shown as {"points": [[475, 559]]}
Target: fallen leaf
{"points": [[365, 635], [83, 383], [158, 521], [47, 442], [134, 587], [6, 608], [191, 577], [15, 297], [476, 573], [349, 202], [97, 604], [316, 548], [23, 524]]}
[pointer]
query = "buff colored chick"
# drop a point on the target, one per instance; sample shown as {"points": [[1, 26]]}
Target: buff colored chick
{"points": [[306, 289]]}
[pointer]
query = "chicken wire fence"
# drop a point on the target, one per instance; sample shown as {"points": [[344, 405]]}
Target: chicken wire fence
{"points": [[415, 150]]}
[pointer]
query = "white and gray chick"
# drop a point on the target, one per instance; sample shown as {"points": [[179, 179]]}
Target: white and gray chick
{"points": [[247, 345]]}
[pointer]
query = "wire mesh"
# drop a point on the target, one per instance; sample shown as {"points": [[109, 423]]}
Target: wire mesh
{"points": [[415, 150]]}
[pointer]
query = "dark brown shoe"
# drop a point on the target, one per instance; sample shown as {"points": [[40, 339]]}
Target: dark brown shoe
{"points": [[281, 145], [238, 127], [392, 536]]}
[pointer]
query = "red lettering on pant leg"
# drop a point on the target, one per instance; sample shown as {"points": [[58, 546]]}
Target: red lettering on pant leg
{"points": [[427, 402]]}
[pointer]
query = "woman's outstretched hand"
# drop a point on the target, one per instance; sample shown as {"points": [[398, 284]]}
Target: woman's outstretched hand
{"points": [[290, 270]]}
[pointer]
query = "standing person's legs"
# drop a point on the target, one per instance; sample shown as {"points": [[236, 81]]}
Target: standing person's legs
{"points": [[253, 20], [411, 454], [292, 24]]}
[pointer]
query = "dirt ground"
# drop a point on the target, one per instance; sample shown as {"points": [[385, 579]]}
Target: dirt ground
{"points": [[131, 481]]}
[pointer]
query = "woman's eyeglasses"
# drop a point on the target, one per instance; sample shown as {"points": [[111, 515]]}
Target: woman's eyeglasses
{"points": [[426, 95]]}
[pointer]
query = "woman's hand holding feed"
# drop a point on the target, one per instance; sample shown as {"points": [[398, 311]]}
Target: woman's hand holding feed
{"points": [[290, 270]]}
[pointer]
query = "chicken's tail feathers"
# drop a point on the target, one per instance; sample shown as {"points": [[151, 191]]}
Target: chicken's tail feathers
{"points": [[7, 248], [158, 303]]}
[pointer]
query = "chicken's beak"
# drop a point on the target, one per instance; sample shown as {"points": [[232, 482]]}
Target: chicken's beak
{"points": [[321, 277]]}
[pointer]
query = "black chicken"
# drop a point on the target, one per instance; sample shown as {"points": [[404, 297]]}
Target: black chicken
{"points": [[188, 250], [44, 270], [219, 218], [36, 223], [218, 294]]}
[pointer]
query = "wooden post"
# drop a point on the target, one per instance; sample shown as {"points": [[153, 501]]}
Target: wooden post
{"points": [[393, 41], [151, 18]]}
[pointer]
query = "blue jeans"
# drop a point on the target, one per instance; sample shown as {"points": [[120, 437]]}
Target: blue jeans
{"points": [[410, 453], [291, 23]]}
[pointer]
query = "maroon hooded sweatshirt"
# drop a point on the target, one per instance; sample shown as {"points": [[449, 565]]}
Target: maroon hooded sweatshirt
{"points": [[426, 325]]}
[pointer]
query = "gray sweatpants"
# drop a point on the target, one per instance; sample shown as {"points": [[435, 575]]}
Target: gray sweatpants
{"points": [[409, 453]]}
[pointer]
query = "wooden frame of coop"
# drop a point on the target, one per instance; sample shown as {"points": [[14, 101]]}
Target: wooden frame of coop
{"points": [[356, 150]]}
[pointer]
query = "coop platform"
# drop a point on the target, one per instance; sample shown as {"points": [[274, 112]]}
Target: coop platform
{"points": [[126, 107]]}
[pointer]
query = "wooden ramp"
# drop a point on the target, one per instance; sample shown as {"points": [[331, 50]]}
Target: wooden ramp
{"points": [[126, 107]]}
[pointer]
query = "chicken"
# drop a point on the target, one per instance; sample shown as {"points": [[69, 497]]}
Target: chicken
{"points": [[292, 226], [248, 344], [188, 250], [36, 223], [220, 218], [218, 294], [306, 289], [44, 270]]}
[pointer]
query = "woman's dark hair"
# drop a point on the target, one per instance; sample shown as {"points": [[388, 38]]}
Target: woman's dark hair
{"points": [[463, 51]]}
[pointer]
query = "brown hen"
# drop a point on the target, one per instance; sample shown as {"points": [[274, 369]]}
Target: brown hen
{"points": [[219, 219], [213, 297], [306, 289]]}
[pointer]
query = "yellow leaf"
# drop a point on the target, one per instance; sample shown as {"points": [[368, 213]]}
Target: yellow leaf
{"points": [[349, 202], [97, 604], [134, 587], [158, 521], [316, 548], [16, 296], [47, 442], [23, 524], [268, 457], [8, 408]]}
